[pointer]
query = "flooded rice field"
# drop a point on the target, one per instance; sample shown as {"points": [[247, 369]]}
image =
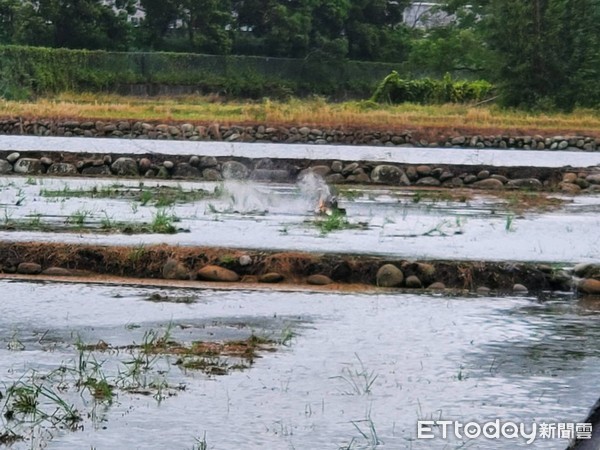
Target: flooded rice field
{"points": [[101, 367], [516, 226], [106, 366]]}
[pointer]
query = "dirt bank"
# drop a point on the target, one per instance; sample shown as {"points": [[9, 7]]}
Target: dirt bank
{"points": [[234, 266]]}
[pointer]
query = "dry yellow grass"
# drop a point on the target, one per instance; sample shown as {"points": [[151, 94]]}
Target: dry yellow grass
{"points": [[314, 111]]}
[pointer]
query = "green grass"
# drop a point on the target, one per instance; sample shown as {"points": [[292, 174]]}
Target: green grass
{"points": [[336, 221], [78, 218], [160, 197], [163, 222]]}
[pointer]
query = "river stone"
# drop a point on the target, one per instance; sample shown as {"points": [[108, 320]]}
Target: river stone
{"points": [[426, 272], [530, 183], [500, 178], [211, 175], [519, 289], [271, 277], [5, 167], [593, 178], [13, 157], [273, 175], [360, 178], [28, 166], [168, 165], [234, 170], [423, 171], [469, 179], [389, 275], [174, 270], [216, 273], [438, 285], [587, 270], [488, 183], [62, 169], [589, 286], [337, 166], [386, 174], [186, 170], [96, 170], [348, 169], [57, 272], [245, 260], [446, 175], [322, 170], [569, 188], [319, 280], [208, 161], [46, 161], [483, 290], [145, 164], [29, 268], [428, 181], [453, 182], [194, 161], [483, 174], [335, 178], [125, 167], [413, 282], [569, 177]]}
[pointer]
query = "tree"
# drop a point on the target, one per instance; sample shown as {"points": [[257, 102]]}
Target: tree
{"points": [[87, 24], [159, 17], [207, 23], [375, 31], [582, 55], [8, 14]]}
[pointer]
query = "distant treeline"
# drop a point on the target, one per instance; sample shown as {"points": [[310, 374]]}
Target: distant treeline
{"points": [[538, 53]]}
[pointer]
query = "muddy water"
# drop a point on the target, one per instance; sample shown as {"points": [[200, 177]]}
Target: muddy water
{"points": [[278, 217], [427, 357], [406, 155]]}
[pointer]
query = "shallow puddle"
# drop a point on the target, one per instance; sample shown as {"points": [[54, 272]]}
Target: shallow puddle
{"points": [[357, 371]]}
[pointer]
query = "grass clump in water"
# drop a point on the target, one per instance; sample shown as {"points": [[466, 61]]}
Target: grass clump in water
{"points": [[163, 222], [335, 221]]}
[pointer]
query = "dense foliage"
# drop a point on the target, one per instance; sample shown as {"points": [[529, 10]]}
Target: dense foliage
{"points": [[538, 53], [395, 89], [27, 71]]}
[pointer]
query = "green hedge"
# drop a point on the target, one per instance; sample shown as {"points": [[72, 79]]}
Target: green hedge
{"points": [[30, 71], [395, 89]]}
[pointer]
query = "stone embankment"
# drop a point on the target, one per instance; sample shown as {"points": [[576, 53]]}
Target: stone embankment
{"points": [[210, 168], [294, 268], [280, 134]]}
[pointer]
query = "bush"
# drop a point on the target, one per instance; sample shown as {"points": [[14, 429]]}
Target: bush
{"points": [[394, 89], [30, 71]]}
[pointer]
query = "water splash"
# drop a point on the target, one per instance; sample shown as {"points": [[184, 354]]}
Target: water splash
{"points": [[315, 190], [247, 197]]}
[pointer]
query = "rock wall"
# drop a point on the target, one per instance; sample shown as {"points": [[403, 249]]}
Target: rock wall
{"points": [[209, 168], [303, 134]]}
